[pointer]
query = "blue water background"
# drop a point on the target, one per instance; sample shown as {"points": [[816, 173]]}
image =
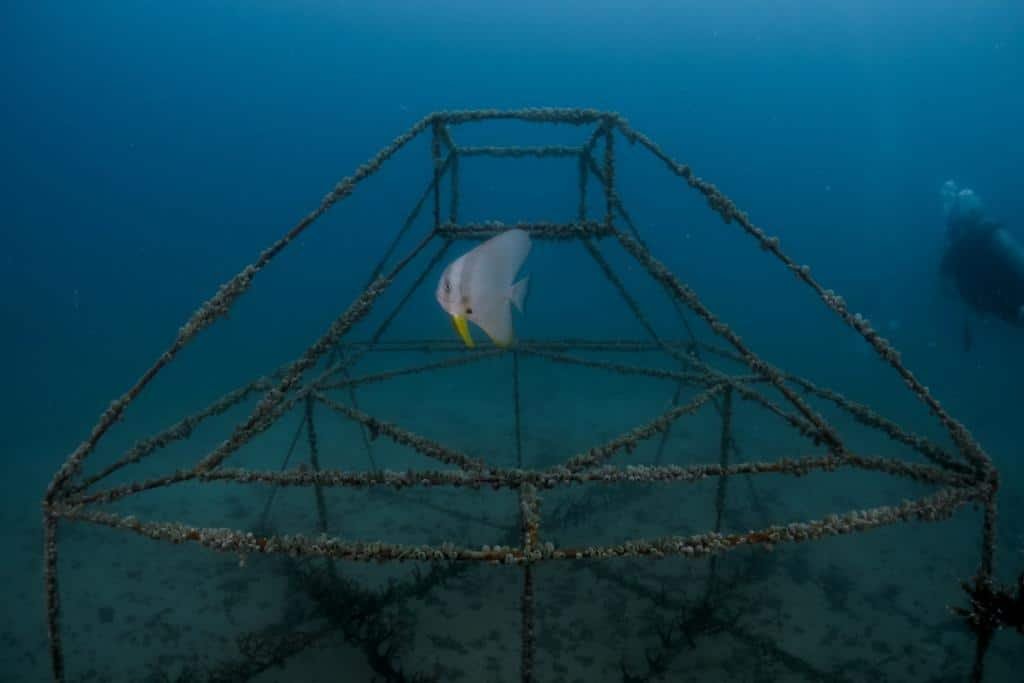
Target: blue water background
{"points": [[151, 150]]}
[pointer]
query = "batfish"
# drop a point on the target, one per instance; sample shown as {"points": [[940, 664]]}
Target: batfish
{"points": [[478, 287]]}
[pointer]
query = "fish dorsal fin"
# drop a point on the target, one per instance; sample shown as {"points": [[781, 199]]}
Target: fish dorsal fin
{"points": [[495, 263]]}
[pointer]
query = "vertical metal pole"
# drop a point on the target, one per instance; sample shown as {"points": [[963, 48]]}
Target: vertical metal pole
{"points": [[453, 208], [609, 174], [581, 211], [52, 592], [518, 417], [724, 443], [984, 634], [526, 606], [435, 154], [668, 432], [984, 639], [262, 524], [314, 462], [988, 531], [367, 446]]}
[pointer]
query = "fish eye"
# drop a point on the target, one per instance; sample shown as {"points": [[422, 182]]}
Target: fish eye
{"points": [[447, 286]]}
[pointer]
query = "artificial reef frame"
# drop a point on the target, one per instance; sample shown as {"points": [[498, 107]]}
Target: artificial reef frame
{"points": [[965, 475]]}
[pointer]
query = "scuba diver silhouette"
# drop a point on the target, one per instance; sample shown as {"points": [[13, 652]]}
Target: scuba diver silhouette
{"points": [[983, 260]]}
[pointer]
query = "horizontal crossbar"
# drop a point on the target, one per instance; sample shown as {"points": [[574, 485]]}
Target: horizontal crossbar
{"points": [[937, 506], [539, 231]]}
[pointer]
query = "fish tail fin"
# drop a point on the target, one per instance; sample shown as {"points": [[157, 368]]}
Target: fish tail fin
{"points": [[517, 293]]}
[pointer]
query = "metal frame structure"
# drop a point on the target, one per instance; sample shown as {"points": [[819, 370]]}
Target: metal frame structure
{"points": [[963, 475]]}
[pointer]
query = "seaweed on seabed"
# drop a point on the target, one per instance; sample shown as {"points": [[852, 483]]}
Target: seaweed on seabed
{"points": [[261, 651], [993, 607], [356, 612], [360, 614]]}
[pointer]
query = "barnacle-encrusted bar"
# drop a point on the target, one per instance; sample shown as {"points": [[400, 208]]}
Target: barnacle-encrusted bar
{"points": [[180, 430], [410, 219], [609, 170], [52, 592], [559, 475], [527, 641], [616, 282], [529, 509], [539, 231], [730, 212], [257, 421], [629, 441], [868, 417], [465, 359], [520, 152], [937, 506], [574, 117], [772, 374], [561, 344], [497, 478], [697, 378], [420, 444], [342, 367], [529, 514], [222, 301]]}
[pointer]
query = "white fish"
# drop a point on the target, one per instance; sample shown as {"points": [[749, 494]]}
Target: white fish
{"points": [[478, 286]]}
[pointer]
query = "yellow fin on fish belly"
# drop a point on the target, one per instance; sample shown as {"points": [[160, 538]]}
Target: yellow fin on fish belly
{"points": [[462, 327]]}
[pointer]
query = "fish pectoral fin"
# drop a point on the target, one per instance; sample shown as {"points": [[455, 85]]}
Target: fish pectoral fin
{"points": [[462, 327]]}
